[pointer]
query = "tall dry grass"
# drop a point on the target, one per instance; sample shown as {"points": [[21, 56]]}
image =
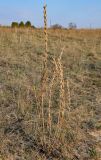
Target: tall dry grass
{"points": [[51, 78]]}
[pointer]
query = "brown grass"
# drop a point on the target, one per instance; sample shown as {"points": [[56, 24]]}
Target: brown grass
{"points": [[50, 114]]}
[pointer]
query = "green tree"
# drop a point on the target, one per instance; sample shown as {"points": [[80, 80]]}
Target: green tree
{"points": [[21, 24], [14, 24], [28, 24]]}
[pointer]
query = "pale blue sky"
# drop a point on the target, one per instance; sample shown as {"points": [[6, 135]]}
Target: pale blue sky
{"points": [[82, 12]]}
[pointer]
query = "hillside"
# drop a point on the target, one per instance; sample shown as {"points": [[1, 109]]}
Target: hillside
{"points": [[75, 84]]}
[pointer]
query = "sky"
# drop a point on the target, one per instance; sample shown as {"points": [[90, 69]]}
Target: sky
{"points": [[85, 13]]}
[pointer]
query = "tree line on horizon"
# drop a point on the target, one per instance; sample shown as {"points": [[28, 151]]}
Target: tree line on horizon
{"points": [[29, 25], [70, 26], [22, 24]]}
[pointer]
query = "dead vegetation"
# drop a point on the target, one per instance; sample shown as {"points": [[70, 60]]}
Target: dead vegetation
{"points": [[55, 115]]}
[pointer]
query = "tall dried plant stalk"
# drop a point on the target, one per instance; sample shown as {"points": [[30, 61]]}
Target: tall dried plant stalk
{"points": [[62, 92], [44, 72], [59, 75], [50, 103], [69, 95], [45, 33]]}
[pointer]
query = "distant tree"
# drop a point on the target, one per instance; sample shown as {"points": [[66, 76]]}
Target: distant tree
{"points": [[33, 27], [56, 26], [21, 24], [28, 24], [72, 26], [14, 24]]}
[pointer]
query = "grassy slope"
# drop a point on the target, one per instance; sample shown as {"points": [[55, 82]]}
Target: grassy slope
{"points": [[21, 53]]}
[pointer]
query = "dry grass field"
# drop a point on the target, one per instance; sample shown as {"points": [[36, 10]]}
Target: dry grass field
{"points": [[52, 115]]}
